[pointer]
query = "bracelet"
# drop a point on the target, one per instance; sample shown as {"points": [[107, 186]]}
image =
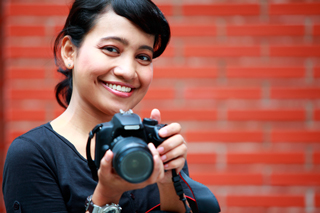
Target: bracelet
{"points": [[108, 208]]}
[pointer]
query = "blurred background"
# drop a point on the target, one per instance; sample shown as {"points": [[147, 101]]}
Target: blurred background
{"points": [[241, 76]]}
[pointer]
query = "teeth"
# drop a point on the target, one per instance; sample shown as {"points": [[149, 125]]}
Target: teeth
{"points": [[119, 88]]}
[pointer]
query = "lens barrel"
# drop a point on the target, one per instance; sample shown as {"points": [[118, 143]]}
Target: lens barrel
{"points": [[132, 159]]}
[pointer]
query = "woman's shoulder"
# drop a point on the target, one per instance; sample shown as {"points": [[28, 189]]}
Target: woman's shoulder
{"points": [[43, 137], [41, 140], [36, 133]]}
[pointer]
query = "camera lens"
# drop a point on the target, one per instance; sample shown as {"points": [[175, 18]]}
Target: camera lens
{"points": [[132, 160]]}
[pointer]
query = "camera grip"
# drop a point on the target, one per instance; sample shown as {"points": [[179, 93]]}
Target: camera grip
{"points": [[152, 131]]}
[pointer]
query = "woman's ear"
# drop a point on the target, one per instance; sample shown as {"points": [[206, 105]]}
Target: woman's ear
{"points": [[68, 52]]}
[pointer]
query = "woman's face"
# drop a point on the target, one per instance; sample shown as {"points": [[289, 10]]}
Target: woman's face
{"points": [[113, 67]]}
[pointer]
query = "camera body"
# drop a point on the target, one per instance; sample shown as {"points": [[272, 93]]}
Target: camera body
{"points": [[127, 136]]}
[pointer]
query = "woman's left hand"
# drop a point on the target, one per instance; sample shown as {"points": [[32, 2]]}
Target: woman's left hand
{"points": [[173, 151]]}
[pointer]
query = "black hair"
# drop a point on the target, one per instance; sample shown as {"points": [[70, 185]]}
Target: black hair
{"points": [[82, 18]]}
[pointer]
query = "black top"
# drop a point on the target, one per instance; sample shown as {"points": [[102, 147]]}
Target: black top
{"points": [[44, 172]]}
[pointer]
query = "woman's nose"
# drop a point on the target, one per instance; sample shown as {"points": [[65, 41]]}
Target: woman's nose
{"points": [[126, 69]]}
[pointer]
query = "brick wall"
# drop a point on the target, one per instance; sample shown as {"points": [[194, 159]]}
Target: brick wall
{"points": [[242, 77], [2, 145]]}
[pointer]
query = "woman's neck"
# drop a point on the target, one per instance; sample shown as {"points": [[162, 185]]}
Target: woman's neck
{"points": [[75, 123]]}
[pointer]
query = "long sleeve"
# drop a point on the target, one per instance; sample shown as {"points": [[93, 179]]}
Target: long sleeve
{"points": [[29, 180]]}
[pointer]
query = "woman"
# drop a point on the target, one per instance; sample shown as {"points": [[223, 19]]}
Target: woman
{"points": [[105, 50]]}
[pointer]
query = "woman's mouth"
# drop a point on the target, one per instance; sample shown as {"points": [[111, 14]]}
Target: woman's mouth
{"points": [[119, 88]]}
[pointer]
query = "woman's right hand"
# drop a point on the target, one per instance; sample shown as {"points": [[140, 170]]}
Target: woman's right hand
{"points": [[111, 186]]}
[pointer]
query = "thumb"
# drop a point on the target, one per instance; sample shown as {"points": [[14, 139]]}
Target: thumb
{"points": [[106, 162], [155, 114]]}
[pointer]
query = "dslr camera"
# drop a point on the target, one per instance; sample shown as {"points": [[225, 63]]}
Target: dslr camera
{"points": [[127, 136]]}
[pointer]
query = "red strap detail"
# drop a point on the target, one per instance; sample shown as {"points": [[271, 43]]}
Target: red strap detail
{"points": [[152, 208], [190, 190], [191, 198]]}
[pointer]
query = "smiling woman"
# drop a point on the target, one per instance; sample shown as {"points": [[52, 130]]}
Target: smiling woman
{"points": [[144, 14], [113, 52], [105, 50]]}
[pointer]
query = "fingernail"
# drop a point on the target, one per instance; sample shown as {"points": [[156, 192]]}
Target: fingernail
{"points": [[160, 149], [163, 157], [107, 156], [151, 146], [163, 132]]}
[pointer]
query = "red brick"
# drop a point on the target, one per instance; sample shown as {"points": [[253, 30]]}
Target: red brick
{"points": [[201, 158], [221, 51], [193, 30], [224, 136], [26, 31], [265, 72], [223, 93], [25, 115], [316, 72], [57, 29], [30, 52], [267, 115], [185, 72], [295, 135], [41, 94], [160, 94], [169, 52], [38, 10], [295, 51], [26, 73], [167, 10], [316, 158], [294, 93], [228, 178], [316, 114], [57, 75], [221, 10], [295, 9], [316, 30], [58, 111], [266, 158], [266, 200], [182, 114], [265, 30], [317, 200], [295, 179]]}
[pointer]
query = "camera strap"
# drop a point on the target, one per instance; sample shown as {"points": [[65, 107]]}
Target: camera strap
{"points": [[179, 189], [91, 163], [205, 200]]}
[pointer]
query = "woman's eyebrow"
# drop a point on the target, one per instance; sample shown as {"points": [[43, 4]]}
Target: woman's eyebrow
{"points": [[146, 47], [126, 42], [121, 40]]}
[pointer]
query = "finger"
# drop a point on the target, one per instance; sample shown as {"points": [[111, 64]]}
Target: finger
{"points": [[177, 164], [158, 170], [171, 129], [155, 114], [171, 143], [180, 151], [106, 163]]}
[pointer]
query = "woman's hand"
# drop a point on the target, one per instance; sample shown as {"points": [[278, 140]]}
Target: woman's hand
{"points": [[111, 186], [170, 154], [173, 151]]}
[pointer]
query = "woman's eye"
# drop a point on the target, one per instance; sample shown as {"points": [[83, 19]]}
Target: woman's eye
{"points": [[111, 49], [144, 58]]}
